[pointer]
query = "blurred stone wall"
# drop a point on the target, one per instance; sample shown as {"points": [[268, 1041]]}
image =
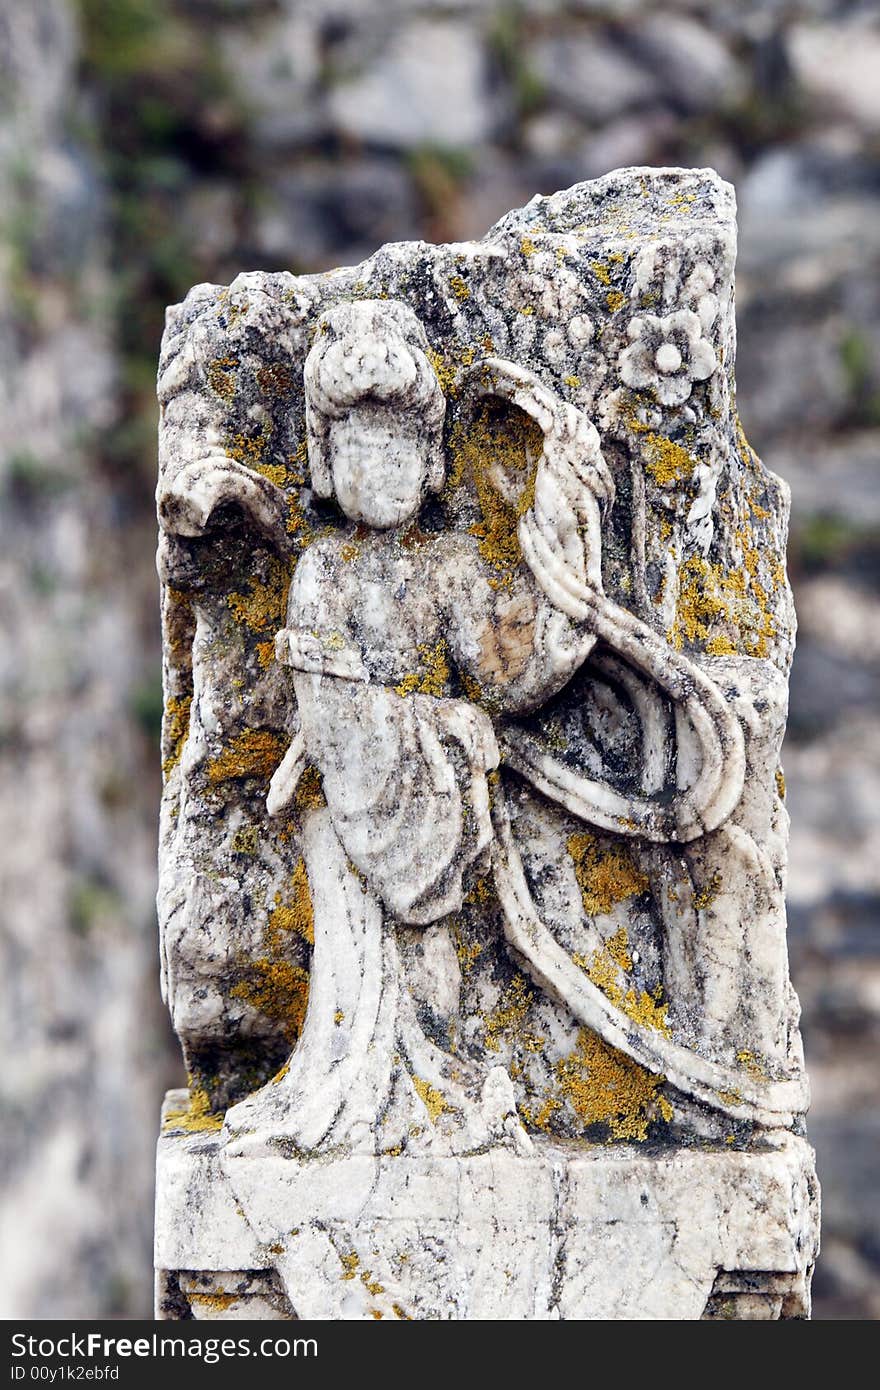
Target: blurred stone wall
{"points": [[149, 144]]}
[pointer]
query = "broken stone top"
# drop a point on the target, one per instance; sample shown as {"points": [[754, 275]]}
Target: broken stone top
{"points": [[476, 636]]}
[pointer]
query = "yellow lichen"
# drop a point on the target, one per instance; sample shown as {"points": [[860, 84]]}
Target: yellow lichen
{"points": [[433, 677], [511, 443], [252, 753], [615, 300], [730, 1097], [601, 272], [277, 989], [606, 873], [265, 606], [752, 1065], [245, 840], [780, 783], [720, 646], [573, 381], [298, 462], [459, 287], [275, 472], [666, 461], [603, 1086], [607, 968], [197, 1118], [177, 712], [468, 952], [217, 1302], [509, 1019], [350, 1263], [434, 1102], [472, 688], [309, 792], [247, 448], [297, 915], [527, 246], [705, 896], [709, 598]]}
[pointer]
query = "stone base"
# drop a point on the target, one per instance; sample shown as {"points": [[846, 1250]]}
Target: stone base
{"points": [[571, 1231]]}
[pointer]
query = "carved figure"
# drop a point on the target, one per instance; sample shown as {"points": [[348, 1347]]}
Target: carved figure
{"points": [[473, 836]]}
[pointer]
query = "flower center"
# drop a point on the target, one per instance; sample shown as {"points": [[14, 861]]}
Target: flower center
{"points": [[668, 358]]}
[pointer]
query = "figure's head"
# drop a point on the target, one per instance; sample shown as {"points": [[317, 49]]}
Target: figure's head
{"points": [[374, 412]]}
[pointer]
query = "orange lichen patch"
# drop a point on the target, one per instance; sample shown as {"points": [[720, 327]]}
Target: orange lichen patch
{"points": [[265, 653], [220, 377], [177, 712], [606, 873], [602, 1086], [265, 605], [275, 472], [275, 379], [297, 915], [252, 753], [433, 1100], [414, 537], [433, 677], [197, 1118], [705, 896], [508, 1021], [217, 1302], [275, 988]]}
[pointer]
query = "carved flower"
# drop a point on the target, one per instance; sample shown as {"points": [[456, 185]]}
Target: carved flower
{"points": [[668, 355]]}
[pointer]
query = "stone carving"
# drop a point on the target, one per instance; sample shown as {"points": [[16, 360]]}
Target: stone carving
{"points": [[473, 841]]}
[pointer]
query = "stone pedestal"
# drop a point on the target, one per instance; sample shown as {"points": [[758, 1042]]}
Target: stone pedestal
{"points": [[571, 1231]]}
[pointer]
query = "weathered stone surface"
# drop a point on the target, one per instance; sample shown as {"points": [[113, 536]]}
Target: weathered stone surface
{"points": [[498, 864], [595, 1233]]}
